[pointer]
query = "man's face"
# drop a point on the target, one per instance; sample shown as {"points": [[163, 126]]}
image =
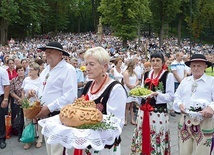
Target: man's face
{"points": [[44, 57], [180, 57], [52, 55], [198, 68], [17, 61], [74, 63]]}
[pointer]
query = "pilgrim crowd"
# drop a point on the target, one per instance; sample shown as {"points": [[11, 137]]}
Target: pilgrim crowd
{"points": [[58, 69]]}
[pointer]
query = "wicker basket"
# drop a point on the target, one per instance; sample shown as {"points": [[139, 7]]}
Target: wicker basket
{"points": [[30, 113]]}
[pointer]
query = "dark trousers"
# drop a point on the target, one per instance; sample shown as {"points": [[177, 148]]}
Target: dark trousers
{"points": [[17, 120], [176, 85], [2, 121], [12, 107]]}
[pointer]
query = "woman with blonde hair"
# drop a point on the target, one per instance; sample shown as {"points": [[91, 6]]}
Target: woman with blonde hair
{"points": [[108, 94], [130, 82]]}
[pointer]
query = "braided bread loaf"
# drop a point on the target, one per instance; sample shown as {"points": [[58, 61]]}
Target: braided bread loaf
{"points": [[79, 113]]}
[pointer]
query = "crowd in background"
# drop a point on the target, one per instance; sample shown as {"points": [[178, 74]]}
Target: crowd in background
{"points": [[20, 58]]}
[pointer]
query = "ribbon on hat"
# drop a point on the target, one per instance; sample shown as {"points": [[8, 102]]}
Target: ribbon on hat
{"points": [[146, 139]]}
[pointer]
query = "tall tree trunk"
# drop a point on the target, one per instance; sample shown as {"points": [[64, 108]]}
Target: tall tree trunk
{"points": [[179, 29], [124, 43], [95, 4], [167, 30], [94, 15], [150, 30], [161, 33], [3, 32], [138, 33], [78, 25]]}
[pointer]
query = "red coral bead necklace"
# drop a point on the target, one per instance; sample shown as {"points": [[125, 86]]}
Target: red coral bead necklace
{"points": [[99, 87]]}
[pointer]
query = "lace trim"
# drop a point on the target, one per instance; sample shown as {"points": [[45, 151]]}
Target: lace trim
{"points": [[79, 138]]}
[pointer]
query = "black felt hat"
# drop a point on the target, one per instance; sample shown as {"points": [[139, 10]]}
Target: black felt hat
{"points": [[56, 46], [198, 57]]}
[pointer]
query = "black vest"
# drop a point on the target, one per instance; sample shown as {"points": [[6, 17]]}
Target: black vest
{"points": [[103, 100], [157, 107], [103, 97]]}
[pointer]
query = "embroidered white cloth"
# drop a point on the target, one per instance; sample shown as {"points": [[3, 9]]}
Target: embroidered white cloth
{"points": [[70, 137], [200, 103]]}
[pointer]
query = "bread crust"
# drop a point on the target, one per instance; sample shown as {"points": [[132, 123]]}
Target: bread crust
{"points": [[79, 113]]}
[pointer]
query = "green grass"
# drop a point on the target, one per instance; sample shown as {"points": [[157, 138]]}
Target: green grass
{"points": [[209, 71]]}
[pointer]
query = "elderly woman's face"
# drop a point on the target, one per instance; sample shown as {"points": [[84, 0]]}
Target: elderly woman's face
{"points": [[93, 68]]}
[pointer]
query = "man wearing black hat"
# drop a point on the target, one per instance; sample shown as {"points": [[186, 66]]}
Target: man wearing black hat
{"points": [[58, 87], [194, 98]]}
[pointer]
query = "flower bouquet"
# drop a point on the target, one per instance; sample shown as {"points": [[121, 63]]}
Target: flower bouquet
{"points": [[30, 111], [194, 111]]}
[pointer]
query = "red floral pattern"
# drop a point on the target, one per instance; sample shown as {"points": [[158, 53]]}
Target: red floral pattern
{"points": [[160, 139]]}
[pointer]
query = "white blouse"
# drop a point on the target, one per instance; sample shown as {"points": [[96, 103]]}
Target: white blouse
{"points": [[117, 75], [117, 100]]}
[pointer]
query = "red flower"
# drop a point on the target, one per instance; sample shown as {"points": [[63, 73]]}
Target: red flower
{"points": [[152, 132], [158, 140], [167, 137]]}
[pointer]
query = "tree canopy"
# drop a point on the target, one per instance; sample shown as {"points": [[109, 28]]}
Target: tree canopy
{"points": [[126, 18]]}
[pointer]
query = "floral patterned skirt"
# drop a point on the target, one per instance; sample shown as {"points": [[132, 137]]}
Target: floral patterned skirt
{"points": [[159, 133], [115, 150]]}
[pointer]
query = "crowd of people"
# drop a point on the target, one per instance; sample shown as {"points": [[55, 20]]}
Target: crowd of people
{"points": [[58, 69]]}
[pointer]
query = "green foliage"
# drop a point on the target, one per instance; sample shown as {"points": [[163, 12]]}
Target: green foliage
{"points": [[101, 126], [25, 103], [164, 11], [160, 87], [209, 71], [123, 16], [191, 108], [9, 11], [29, 17], [81, 11]]}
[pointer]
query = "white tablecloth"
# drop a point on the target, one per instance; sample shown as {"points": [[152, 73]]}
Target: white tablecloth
{"points": [[79, 138]]}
